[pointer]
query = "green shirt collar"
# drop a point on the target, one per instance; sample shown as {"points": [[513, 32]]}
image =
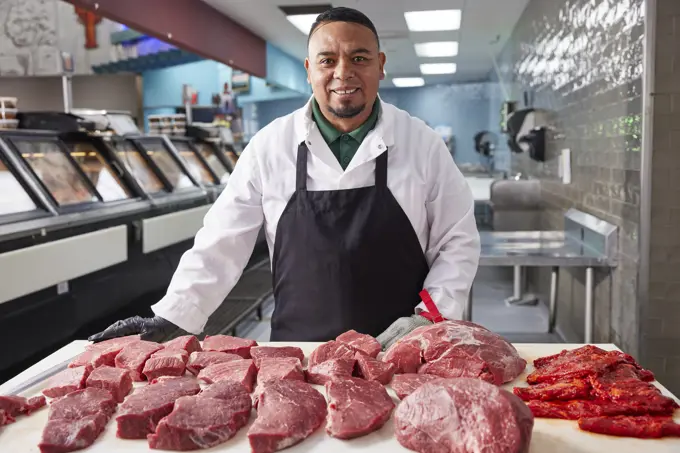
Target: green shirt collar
{"points": [[331, 134]]}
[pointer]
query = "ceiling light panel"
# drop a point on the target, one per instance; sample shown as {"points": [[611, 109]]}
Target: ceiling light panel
{"points": [[303, 16], [438, 20], [438, 68], [403, 82], [437, 49], [303, 22]]}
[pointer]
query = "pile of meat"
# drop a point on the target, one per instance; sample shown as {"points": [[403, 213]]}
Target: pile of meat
{"points": [[608, 392]]}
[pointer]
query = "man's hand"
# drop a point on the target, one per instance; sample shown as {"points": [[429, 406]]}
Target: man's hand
{"points": [[151, 329], [399, 328]]}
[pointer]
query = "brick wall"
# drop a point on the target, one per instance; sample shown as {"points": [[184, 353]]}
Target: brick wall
{"points": [[583, 59]]}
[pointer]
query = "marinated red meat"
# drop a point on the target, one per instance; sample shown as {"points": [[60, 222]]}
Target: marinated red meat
{"points": [[373, 370], [287, 413], [259, 352], [645, 426], [570, 390], [276, 368], [231, 345], [67, 381], [241, 371], [330, 370], [452, 414], [200, 360], [103, 353], [188, 343], [405, 384], [140, 413], [330, 350], [361, 343], [18, 405], [134, 356], [116, 380], [356, 407], [5, 418], [165, 363], [457, 348], [205, 420]]}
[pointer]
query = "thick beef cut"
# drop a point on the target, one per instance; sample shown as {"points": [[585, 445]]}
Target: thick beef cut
{"points": [[405, 384], [134, 356], [328, 351], [360, 342], [67, 381], [231, 345], [260, 352], [241, 371], [76, 420], [205, 420], [457, 349], [13, 406], [330, 370], [103, 353], [287, 413], [166, 362], [356, 407], [116, 380], [276, 368], [200, 360], [644, 427], [140, 413], [463, 415], [188, 343], [373, 369]]}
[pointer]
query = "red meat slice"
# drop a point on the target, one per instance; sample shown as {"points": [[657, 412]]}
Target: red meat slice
{"points": [[287, 413], [140, 413], [188, 343], [330, 370], [276, 368], [231, 345], [361, 343], [67, 381], [241, 371], [178, 353], [18, 405], [374, 370], [116, 380], [455, 367], [134, 356], [103, 353], [405, 384], [570, 390], [645, 427], [575, 409], [330, 350], [114, 343], [356, 407], [200, 360], [5, 418], [463, 414], [260, 352], [406, 358], [165, 363]]}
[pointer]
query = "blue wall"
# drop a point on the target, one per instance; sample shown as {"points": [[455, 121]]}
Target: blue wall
{"points": [[286, 71]]}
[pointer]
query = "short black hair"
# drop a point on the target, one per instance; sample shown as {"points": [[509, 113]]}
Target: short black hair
{"points": [[342, 14]]}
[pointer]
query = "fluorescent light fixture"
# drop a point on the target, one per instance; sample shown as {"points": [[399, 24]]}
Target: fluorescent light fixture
{"points": [[439, 20], [303, 22], [403, 82], [437, 49], [438, 68]]}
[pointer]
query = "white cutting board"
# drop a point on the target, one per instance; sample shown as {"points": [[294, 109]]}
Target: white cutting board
{"points": [[549, 436]]}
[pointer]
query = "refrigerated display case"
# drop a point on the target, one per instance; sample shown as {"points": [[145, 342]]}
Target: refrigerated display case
{"points": [[198, 167]]}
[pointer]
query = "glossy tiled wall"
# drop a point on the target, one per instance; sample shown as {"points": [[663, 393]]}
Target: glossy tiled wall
{"points": [[582, 59]]}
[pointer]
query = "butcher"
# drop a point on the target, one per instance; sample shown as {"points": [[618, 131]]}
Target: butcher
{"points": [[362, 205]]}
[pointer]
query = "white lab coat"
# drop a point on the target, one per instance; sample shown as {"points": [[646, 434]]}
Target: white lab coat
{"points": [[421, 175]]}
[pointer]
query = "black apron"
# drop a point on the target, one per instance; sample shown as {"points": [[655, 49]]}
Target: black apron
{"points": [[343, 259]]}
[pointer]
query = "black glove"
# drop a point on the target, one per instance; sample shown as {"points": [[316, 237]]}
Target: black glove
{"points": [[151, 329]]}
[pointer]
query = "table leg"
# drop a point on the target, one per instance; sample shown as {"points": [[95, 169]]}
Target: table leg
{"points": [[554, 284], [589, 305], [518, 296], [467, 316]]}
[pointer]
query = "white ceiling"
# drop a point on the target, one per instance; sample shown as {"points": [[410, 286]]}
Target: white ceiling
{"points": [[486, 26]]}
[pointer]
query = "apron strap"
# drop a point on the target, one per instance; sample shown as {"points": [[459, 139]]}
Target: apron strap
{"points": [[301, 169], [381, 170]]}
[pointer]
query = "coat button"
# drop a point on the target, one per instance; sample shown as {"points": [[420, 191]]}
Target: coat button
{"points": [[380, 146], [345, 137], [308, 142]]}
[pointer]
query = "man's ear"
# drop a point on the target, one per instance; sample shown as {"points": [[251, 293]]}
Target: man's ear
{"points": [[382, 58], [307, 69]]}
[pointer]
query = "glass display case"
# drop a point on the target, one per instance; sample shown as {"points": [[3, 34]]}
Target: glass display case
{"points": [[197, 166], [211, 157], [13, 197], [137, 165], [170, 167], [99, 171]]}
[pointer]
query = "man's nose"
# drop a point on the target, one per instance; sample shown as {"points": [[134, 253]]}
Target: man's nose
{"points": [[344, 69]]}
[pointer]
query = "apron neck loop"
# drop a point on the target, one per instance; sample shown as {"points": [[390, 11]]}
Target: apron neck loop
{"points": [[301, 173], [381, 170]]}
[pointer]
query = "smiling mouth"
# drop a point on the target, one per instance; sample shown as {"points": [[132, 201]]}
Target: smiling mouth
{"points": [[345, 92]]}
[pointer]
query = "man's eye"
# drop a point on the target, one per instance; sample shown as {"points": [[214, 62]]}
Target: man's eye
{"points": [[359, 59], [327, 61]]}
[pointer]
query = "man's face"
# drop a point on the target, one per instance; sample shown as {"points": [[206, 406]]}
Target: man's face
{"points": [[344, 67]]}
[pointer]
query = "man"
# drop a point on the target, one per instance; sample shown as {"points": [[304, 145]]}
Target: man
{"points": [[362, 204]]}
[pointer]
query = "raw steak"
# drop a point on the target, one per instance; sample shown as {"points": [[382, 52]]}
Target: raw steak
{"points": [[67, 381], [141, 411], [5, 418], [115, 380], [373, 369], [232, 345], [18, 405], [242, 371], [405, 384], [462, 415], [103, 353], [134, 356], [645, 426], [457, 348], [260, 352], [165, 363], [330, 350], [200, 360], [276, 368], [569, 390], [330, 370], [360, 342], [287, 413], [356, 407], [188, 343], [75, 421], [203, 421]]}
